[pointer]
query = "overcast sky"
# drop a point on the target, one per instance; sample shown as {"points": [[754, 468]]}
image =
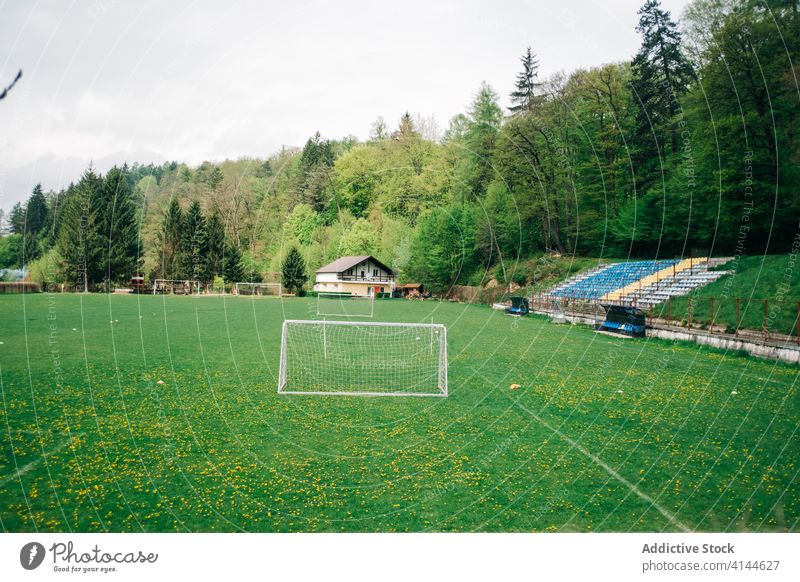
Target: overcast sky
{"points": [[111, 80]]}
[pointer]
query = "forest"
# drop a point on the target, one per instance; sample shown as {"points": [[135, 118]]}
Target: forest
{"points": [[690, 147]]}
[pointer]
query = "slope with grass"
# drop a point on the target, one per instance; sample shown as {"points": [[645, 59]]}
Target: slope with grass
{"points": [[771, 279], [127, 413]]}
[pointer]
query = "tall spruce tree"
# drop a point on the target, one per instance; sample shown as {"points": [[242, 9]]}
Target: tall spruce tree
{"points": [[16, 219], [661, 74], [118, 229], [474, 170], [523, 97], [293, 272], [171, 242], [405, 128], [215, 244], [36, 211], [194, 244], [31, 247], [78, 243], [232, 267]]}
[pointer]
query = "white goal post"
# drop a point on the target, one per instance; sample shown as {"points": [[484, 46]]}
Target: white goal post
{"points": [[345, 305], [176, 286], [364, 358], [258, 289]]}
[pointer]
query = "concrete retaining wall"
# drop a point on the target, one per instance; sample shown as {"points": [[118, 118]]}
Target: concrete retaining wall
{"points": [[789, 354], [784, 354]]}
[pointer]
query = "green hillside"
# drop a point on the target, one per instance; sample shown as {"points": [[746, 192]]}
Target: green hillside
{"points": [[772, 278]]}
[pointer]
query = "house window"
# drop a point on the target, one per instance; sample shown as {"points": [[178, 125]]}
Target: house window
{"points": [[381, 289], [362, 274], [374, 272]]}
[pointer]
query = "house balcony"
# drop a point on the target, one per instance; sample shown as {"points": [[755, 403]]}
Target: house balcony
{"points": [[365, 279]]}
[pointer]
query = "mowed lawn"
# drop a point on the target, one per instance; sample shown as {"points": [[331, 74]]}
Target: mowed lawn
{"points": [[130, 413]]}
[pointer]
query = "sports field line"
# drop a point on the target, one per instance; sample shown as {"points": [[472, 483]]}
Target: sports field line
{"points": [[25, 468], [610, 470]]}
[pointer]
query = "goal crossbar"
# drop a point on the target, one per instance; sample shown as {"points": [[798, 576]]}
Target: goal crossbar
{"points": [[365, 358], [191, 286], [334, 304], [245, 285]]}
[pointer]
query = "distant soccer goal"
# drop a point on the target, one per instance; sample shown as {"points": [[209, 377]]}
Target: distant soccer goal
{"points": [[176, 287], [345, 305], [363, 358], [258, 289]]}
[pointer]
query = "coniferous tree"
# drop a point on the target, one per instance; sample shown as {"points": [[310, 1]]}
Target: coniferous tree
{"points": [[293, 272], [31, 247], [215, 244], [316, 160], [661, 76], [194, 244], [16, 218], [78, 242], [214, 179], [118, 229], [232, 267], [171, 242], [406, 128], [474, 171], [55, 205], [36, 211], [523, 97]]}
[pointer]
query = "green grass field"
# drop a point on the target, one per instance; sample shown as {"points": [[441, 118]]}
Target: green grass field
{"points": [[129, 413]]}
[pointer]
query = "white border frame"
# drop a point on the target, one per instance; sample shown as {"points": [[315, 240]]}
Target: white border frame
{"points": [[442, 380], [278, 285], [370, 298]]}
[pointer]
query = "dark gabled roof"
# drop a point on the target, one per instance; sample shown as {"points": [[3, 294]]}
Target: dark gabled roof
{"points": [[343, 263]]}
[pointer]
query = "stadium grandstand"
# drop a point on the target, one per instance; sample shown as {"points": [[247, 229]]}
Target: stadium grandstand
{"points": [[643, 283]]}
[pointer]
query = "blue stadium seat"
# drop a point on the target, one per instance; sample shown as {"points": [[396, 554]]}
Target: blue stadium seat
{"points": [[615, 276]]}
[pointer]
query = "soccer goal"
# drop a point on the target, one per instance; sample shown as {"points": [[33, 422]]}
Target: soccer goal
{"points": [[345, 305], [259, 289], [363, 358], [176, 287]]}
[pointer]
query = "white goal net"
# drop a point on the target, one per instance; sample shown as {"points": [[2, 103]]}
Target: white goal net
{"points": [[363, 358], [344, 305], [258, 289]]}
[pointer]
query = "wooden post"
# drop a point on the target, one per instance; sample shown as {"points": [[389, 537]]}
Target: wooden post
{"points": [[689, 313], [766, 319], [737, 317], [651, 315], [711, 303], [669, 307]]}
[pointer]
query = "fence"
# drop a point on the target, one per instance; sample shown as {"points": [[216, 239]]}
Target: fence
{"points": [[18, 287], [751, 317]]}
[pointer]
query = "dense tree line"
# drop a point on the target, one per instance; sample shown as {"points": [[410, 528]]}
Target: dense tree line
{"points": [[688, 148]]}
